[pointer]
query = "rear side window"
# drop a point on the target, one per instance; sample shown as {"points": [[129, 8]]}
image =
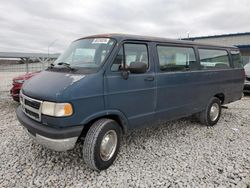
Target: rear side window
{"points": [[129, 53], [214, 59], [173, 58], [236, 58]]}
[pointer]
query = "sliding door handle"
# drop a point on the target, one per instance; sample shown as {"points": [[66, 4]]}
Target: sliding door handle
{"points": [[149, 78]]}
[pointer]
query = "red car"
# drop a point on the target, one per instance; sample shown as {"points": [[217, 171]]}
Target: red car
{"points": [[17, 83]]}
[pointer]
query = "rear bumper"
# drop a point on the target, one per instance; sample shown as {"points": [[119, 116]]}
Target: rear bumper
{"points": [[60, 139]]}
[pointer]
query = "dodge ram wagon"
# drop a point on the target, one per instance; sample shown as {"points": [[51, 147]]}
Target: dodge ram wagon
{"points": [[102, 86]]}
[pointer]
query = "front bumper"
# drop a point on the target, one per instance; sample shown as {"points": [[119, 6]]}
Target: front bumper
{"points": [[60, 139], [246, 87]]}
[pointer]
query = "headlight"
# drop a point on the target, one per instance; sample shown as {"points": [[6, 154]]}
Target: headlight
{"points": [[57, 109], [19, 81]]}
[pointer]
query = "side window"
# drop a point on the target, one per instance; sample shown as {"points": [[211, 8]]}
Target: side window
{"points": [[118, 62], [129, 53], [214, 59], [176, 58], [236, 58]]}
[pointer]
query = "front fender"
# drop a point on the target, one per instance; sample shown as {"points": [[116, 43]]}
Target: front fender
{"points": [[122, 118]]}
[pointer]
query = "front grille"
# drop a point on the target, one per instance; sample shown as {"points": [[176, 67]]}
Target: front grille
{"points": [[32, 113], [31, 107], [32, 104]]}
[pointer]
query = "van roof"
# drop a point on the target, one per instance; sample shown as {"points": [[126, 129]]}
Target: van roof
{"points": [[120, 37]]}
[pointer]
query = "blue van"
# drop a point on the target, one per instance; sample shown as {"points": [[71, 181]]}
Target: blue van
{"points": [[102, 86]]}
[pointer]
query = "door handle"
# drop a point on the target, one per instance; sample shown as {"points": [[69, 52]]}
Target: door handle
{"points": [[149, 78]]}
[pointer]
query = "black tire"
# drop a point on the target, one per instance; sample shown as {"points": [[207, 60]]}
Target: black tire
{"points": [[205, 117], [93, 140]]}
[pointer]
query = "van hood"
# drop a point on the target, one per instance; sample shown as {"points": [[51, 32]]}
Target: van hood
{"points": [[49, 85]]}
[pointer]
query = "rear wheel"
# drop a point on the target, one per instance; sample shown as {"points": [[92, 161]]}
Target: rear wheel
{"points": [[102, 144], [211, 115]]}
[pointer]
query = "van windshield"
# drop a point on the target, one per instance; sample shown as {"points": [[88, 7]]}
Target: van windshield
{"points": [[86, 53]]}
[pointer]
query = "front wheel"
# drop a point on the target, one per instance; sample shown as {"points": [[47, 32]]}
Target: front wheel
{"points": [[102, 144], [211, 115]]}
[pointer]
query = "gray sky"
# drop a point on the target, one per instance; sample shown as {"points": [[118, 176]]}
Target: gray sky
{"points": [[31, 25]]}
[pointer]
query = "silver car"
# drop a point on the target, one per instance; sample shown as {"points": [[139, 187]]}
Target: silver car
{"points": [[247, 81]]}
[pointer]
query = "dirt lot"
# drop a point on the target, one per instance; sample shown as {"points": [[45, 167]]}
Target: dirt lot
{"points": [[176, 154]]}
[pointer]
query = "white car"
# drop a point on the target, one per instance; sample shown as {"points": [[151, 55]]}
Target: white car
{"points": [[247, 81]]}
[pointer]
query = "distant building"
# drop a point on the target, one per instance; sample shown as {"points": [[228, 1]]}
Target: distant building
{"points": [[241, 40]]}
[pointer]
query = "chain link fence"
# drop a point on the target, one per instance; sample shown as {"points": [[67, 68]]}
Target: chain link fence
{"points": [[10, 69]]}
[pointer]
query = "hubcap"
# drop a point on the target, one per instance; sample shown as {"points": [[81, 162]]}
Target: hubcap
{"points": [[214, 111], [108, 145]]}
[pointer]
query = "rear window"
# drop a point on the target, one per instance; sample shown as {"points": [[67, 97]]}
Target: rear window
{"points": [[236, 58], [214, 59]]}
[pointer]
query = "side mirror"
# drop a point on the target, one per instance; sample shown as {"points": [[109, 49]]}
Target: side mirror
{"points": [[137, 67]]}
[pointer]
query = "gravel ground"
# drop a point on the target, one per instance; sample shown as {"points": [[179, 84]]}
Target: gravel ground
{"points": [[176, 154]]}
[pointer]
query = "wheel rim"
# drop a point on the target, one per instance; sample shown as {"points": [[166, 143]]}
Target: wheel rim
{"points": [[108, 145], [214, 111]]}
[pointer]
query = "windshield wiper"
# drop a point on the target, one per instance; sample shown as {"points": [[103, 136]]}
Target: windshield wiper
{"points": [[51, 66], [66, 65]]}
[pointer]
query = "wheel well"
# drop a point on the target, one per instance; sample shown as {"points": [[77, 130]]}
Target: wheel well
{"points": [[113, 117], [220, 96]]}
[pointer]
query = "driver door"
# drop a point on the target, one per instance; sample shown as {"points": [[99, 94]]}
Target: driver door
{"points": [[134, 96]]}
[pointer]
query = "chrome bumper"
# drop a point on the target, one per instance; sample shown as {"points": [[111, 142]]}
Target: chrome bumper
{"points": [[54, 144]]}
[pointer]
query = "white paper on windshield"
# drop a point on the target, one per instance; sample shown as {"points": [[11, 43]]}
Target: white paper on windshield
{"points": [[100, 41]]}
